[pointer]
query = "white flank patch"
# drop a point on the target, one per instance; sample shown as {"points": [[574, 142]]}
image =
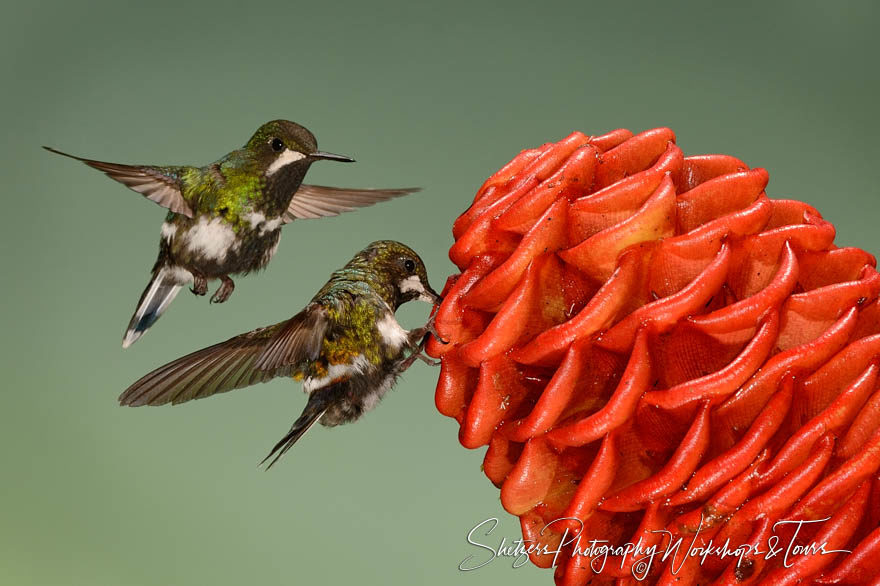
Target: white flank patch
{"points": [[392, 333], [271, 225], [373, 398], [257, 219], [254, 219], [211, 238], [284, 159], [356, 366], [168, 231], [180, 275]]}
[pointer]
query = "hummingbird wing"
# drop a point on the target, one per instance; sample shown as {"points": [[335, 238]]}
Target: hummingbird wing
{"points": [[154, 183], [235, 363], [318, 201], [299, 337]]}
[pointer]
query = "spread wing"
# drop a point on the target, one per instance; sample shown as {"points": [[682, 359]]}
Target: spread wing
{"points": [[244, 360], [151, 182], [317, 201]]}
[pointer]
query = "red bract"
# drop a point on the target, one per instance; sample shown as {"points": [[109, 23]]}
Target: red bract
{"points": [[646, 342]]}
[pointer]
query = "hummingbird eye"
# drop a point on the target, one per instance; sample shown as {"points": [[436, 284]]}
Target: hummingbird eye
{"points": [[409, 265], [277, 145]]}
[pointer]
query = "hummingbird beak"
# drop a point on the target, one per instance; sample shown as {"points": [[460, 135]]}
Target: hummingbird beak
{"points": [[433, 295], [331, 157]]}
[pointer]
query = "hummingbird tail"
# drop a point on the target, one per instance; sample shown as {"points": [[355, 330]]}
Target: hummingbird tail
{"points": [[158, 295], [310, 416]]}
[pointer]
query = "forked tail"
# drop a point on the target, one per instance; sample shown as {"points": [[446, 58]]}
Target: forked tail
{"points": [[158, 295], [319, 401]]}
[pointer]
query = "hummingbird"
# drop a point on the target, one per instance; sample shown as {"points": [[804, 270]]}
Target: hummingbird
{"points": [[346, 346], [225, 218]]}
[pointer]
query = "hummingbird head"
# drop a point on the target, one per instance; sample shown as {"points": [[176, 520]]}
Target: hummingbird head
{"points": [[396, 271], [286, 148]]}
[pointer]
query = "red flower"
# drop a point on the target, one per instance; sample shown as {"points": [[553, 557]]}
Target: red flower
{"points": [[646, 342]]}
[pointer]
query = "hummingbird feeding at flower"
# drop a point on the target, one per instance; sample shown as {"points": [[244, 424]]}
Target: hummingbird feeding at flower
{"points": [[346, 346], [225, 218]]}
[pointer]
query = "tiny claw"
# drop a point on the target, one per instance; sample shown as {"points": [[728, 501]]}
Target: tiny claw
{"points": [[432, 329], [223, 291], [437, 336], [418, 353], [200, 285]]}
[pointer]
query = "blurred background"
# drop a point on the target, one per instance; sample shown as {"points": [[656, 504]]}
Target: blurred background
{"points": [[437, 95]]}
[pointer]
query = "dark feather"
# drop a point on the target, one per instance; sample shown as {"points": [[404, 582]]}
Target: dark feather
{"points": [[319, 402], [298, 339], [244, 360], [216, 369], [317, 201], [151, 182], [158, 295]]}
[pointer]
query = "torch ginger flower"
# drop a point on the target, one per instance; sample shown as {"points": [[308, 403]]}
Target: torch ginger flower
{"points": [[647, 343]]}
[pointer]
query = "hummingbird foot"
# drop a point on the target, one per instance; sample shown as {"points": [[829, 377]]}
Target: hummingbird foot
{"points": [[426, 360], [403, 364], [200, 284], [417, 354], [431, 329], [224, 290]]}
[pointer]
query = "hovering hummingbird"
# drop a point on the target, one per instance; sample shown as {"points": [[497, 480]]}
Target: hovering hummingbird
{"points": [[346, 346], [225, 218]]}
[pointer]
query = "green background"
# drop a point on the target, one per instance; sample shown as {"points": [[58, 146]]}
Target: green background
{"points": [[437, 95]]}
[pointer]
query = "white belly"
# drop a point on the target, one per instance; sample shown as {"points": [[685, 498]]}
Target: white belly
{"points": [[211, 239]]}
